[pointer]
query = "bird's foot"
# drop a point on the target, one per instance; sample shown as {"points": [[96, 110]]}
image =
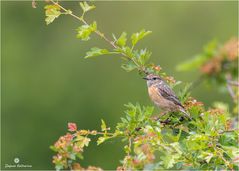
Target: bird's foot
{"points": [[181, 119], [166, 121]]}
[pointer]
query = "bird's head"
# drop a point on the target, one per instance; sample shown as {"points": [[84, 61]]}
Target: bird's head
{"points": [[153, 79]]}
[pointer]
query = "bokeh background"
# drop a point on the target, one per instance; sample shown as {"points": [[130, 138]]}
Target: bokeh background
{"points": [[46, 83]]}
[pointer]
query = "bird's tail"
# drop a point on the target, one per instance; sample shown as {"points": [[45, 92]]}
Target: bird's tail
{"points": [[185, 113]]}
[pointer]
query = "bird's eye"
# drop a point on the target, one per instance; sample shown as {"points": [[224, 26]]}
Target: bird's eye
{"points": [[154, 78]]}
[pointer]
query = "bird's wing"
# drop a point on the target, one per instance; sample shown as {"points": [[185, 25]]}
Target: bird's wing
{"points": [[168, 94]]}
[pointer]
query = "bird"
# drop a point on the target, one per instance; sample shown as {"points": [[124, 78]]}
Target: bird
{"points": [[163, 96]]}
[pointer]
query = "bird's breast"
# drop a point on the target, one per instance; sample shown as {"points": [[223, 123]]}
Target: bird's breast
{"points": [[159, 100], [154, 94]]}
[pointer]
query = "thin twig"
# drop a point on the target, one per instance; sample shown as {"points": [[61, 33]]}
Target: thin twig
{"points": [[130, 144], [229, 86], [231, 130], [100, 34], [234, 83]]}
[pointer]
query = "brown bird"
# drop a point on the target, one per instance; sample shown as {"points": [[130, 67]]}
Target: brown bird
{"points": [[163, 96]]}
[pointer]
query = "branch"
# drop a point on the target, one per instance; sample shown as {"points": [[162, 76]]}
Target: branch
{"points": [[100, 34], [234, 83], [229, 86]]}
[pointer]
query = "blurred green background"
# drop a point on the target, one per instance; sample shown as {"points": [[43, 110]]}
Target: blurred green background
{"points": [[46, 83]]}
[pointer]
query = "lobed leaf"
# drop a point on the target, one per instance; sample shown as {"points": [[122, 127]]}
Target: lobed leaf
{"points": [[84, 31], [102, 139], [122, 39], [129, 66], [86, 7], [103, 125], [95, 51], [138, 36], [144, 56], [52, 12]]}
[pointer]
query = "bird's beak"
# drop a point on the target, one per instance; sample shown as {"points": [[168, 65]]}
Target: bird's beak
{"points": [[145, 78]]}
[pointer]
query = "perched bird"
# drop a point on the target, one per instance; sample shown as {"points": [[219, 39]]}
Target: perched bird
{"points": [[163, 96]]}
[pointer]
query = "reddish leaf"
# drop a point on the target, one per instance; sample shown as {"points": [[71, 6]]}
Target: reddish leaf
{"points": [[72, 127]]}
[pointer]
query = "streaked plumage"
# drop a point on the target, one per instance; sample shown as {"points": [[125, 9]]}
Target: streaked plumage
{"points": [[163, 96]]}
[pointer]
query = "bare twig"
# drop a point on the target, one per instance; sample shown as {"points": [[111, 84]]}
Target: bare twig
{"points": [[234, 83], [229, 86], [231, 130]]}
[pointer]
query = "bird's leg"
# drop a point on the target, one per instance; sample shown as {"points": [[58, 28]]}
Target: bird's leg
{"points": [[166, 121], [181, 119]]}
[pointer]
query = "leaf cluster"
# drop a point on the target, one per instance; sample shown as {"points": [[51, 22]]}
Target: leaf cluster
{"points": [[207, 142], [218, 65], [215, 61]]}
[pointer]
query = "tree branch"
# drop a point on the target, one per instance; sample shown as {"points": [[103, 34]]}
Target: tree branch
{"points": [[229, 85], [100, 34]]}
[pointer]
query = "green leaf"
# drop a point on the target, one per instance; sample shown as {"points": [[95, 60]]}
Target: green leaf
{"points": [[72, 156], [82, 141], [144, 56], [122, 39], [228, 139], [52, 12], [97, 52], [86, 7], [129, 66], [59, 166], [126, 50], [210, 47], [209, 157], [84, 31], [127, 149], [79, 155], [102, 139], [169, 160], [52, 147], [185, 93], [138, 36], [193, 63], [103, 125]]}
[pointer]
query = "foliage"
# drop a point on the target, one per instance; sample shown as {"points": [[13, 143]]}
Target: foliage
{"points": [[218, 65], [216, 61], [151, 142], [206, 142], [133, 59]]}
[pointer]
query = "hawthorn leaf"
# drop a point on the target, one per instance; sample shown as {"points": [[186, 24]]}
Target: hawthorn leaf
{"points": [[193, 63], [129, 66], [138, 36], [102, 139], [95, 51], [103, 125], [169, 160], [52, 12], [84, 31], [86, 7], [122, 39], [144, 56]]}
